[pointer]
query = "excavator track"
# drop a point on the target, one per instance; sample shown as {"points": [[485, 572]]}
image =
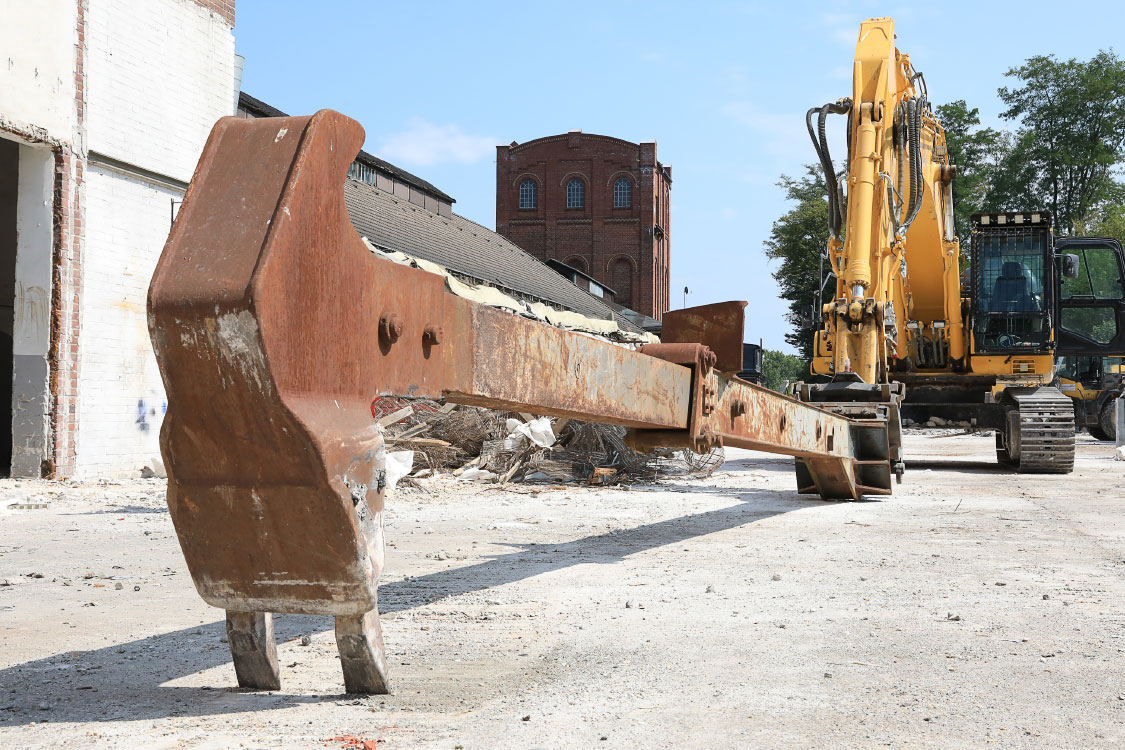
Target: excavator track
{"points": [[1039, 437]]}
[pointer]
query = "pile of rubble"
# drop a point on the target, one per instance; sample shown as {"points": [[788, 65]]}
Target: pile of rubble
{"points": [[428, 438]]}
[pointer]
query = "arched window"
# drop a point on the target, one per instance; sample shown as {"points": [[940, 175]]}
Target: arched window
{"points": [[576, 261], [622, 272], [576, 194], [529, 194], [622, 193]]}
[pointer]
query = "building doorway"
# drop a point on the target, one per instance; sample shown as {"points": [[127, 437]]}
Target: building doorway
{"points": [[26, 243]]}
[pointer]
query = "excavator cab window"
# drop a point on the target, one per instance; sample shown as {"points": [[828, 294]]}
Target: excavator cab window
{"points": [[1011, 277], [1092, 304]]}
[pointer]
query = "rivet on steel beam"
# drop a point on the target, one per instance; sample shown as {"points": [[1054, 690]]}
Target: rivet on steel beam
{"points": [[432, 335], [390, 327]]}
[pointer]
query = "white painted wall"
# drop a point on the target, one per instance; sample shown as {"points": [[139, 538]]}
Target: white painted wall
{"points": [[160, 73], [121, 397], [37, 58]]}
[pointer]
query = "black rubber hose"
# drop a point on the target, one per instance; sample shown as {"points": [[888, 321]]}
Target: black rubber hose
{"points": [[835, 216], [916, 148], [916, 185], [819, 138], [822, 157]]}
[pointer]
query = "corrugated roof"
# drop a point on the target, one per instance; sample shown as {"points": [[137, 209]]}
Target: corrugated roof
{"points": [[466, 248]]}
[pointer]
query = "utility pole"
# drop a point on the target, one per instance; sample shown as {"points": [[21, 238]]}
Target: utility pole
{"points": [[686, 293]]}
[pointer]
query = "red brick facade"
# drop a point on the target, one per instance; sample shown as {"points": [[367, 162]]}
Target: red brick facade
{"points": [[66, 291], [224, 8], [623, 244]]}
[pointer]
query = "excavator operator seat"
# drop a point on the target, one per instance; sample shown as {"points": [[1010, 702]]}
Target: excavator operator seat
{"points": [[1013, 290]]}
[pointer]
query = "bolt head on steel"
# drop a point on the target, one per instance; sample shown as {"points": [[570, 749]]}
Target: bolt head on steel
{"points": [[390, 327], [432, 335]]}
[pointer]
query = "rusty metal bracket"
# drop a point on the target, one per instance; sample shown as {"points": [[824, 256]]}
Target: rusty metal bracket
{"points": [[700, 361], [719, 326]]}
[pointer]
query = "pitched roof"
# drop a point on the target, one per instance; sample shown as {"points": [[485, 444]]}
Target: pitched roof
{"points": [[261, 109], [466, 248]]}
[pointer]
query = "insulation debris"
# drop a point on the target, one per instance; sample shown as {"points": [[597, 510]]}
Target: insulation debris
{"points": [[493, 297], [475, 444]]}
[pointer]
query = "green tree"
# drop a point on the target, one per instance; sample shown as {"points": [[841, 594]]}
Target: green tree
{"points": [[1109, 222], [976, 151], [779, 368], [1070, 138], [797, 240]]}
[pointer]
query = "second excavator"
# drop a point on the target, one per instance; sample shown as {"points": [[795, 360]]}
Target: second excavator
{"points": [[912, 333]]}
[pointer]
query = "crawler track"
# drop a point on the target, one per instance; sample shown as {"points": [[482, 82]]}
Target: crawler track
{"points": [[1040, 433]]}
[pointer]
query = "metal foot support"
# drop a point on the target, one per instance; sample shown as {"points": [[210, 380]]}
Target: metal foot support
{"points": [[360, 641], [253, 649]]}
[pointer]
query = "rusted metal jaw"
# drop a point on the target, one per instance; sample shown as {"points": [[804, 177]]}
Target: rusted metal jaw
{"points": [[275, 327], [275, 467]]}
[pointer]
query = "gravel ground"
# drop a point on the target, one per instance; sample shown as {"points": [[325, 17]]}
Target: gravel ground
{"points": [[972, 608]]}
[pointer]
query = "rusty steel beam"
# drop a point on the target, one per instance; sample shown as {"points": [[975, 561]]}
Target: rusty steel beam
{"points": [[498, 360], [275, 327]]}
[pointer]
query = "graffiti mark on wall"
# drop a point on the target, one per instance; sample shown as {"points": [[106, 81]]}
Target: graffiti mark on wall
{"points": [[146, 411]]}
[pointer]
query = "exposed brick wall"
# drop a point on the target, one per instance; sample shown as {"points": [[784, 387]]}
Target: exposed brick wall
{"points": [[225, 8], [66, 291], [626, 249]]}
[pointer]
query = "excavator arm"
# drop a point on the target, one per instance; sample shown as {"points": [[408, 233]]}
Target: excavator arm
{"points": [[893, 248]]}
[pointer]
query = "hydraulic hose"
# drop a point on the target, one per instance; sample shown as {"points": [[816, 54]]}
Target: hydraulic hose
{"points": [[819, 139]]}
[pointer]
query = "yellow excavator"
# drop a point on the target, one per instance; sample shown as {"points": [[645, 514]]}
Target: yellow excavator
{"points": [[909, 333]]}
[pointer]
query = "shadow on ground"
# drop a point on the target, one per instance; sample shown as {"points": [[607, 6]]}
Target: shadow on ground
{"points": [[124, 681]]}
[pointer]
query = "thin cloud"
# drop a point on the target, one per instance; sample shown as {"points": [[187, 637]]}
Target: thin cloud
{"points": [[425, 144], [781, 135]]}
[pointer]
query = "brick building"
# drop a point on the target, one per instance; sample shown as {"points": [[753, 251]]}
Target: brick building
{"points": [[104, 109], [597, 204]]}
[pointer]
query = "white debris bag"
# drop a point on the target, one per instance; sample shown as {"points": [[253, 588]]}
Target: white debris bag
{"points": [[537, 431], [477, 474], [399, 464]]}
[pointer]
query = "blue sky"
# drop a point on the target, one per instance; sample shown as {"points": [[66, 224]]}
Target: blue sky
{"points": [[722, 87]]}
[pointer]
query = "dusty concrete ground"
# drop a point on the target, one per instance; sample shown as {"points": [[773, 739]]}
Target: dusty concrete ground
{"points": [[973, 608]]}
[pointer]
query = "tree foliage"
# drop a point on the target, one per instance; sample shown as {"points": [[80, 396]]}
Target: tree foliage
{"points": [[1070, 136], [976, 151], [780, 369], [797, 240], [1109, 222]]}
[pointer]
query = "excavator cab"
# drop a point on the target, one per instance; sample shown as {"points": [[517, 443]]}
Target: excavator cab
{"points": [[1012, 277], [1092, 302]]}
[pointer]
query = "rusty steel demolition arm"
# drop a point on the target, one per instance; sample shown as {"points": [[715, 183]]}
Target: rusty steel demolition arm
{"points": [[275, 328]]}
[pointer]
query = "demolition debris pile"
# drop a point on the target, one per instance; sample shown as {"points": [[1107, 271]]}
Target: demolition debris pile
{"points": [[472, 443]]}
